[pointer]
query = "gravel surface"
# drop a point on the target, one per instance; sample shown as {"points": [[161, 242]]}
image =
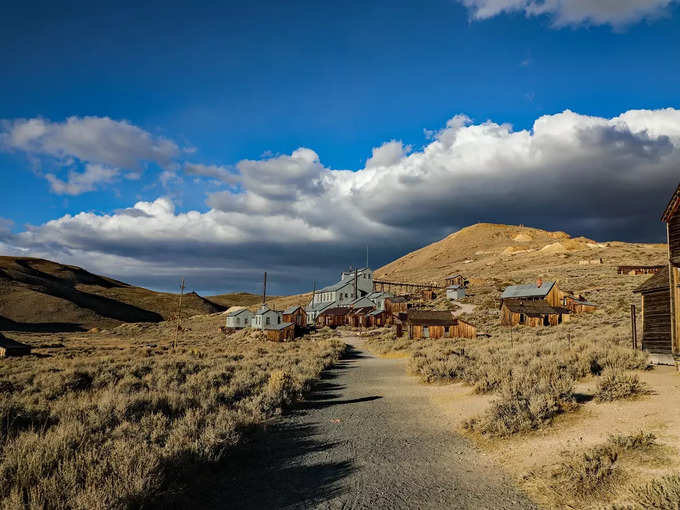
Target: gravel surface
{"points": [[367, 437]]}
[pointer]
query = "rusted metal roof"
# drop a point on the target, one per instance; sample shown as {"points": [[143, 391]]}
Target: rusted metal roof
{"points": [[659, 281]]}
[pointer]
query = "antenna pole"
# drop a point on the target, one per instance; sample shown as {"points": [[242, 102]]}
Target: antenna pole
{"points": [[366, 255], [264, 289]]}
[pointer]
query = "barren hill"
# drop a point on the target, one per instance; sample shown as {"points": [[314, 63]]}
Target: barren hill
{"points": [[40, 295], [486, 251]]}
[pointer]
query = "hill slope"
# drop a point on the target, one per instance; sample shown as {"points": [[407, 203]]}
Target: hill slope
{"points": [[41, 295], [487, 251]]}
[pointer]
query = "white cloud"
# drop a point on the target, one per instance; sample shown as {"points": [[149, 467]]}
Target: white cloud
{"points": [[80, 182], [220, 173], [616, 13], [602, 177]]}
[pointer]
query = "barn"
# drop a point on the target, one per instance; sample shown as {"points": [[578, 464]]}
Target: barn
{"points": [[656, 316], [9, 347], [295, 314], [532, 313], [333, 317], [283, 332], [437, 324]]}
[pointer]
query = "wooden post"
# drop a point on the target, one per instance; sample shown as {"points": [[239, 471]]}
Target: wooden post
{"points": [[356, 292], [179, 315], [633, 325]]}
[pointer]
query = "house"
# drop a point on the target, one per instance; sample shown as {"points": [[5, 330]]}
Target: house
{"points": [[397, 304], [295, 314], [456, 279], [532, 312], [282, 332], [661, 296], [353, 284], [9, 347], [577, 304], [656, 317], [637, 270], [540, 291], [378, 318], [357, 316], [437, 324], [239, 318], [428, 294], [333, 317], [454, 292], [265, 317]]}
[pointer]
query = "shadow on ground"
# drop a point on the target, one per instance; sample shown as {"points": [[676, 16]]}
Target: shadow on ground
{"points": [[266, 470]]}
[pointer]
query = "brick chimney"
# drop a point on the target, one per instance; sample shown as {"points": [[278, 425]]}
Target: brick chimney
{"points": [[539, 282]]}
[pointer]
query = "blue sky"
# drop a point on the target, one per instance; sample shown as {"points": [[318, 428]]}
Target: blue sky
{"points": [[222, 84]]}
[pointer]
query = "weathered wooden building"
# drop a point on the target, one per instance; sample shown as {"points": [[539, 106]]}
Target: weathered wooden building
{"points": [[637, 270], [9, 347], [378, 318], [437, 324], [456, 279], [428, 294], [577, 304], [357, 317], [397, 304], [295, 314], [532, 313], [283, 332], [239, 318], [265, 317], [333, 317], [671, 216], [455, 292], [540, 291], [656, 316]]}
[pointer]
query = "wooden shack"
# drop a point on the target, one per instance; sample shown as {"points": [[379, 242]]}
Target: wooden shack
{"points": [[578, 304], [656, 315], [357, 317], [437, 324], [672, 220], [428, 294], [9, 347], [284, 332], [638, 270], [378, 318], [394, 305], [295, 314], [547, 291], [532, 313], [333, 317], [456, 279]]}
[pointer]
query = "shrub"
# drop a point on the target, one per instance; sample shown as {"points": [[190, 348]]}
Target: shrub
{"points": [[616, 385], [588, 472], [660, 494], [638, 441]]}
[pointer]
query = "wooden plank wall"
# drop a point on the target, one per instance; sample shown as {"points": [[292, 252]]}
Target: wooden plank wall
{"points": [[656, 325], [460, 330]]}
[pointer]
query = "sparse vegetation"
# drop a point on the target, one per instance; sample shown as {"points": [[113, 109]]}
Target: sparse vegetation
{"points": [[616, 385], [661, 494], [117, 422], [586, 473]]}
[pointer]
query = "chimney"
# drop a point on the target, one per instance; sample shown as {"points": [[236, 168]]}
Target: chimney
{"points": [[539, 282]]}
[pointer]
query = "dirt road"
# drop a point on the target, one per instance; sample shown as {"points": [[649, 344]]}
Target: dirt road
{"points": [[367, 437]]}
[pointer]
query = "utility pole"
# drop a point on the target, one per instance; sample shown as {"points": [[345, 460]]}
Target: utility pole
{"points": [[633, 324], [366, 256], [356, 294], [179, 314], [264, 289]]}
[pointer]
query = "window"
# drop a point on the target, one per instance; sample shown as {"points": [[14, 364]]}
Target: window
{"points": [[268, 321], [238, 321], [521, 318], [279, 319], [426, 332], [446, 330]]}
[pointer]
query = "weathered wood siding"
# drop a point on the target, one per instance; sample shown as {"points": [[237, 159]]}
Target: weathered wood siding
{"points": [[509, 318], [674, 239], [656, 322], [299, 317], [286, 334], [460, 330]]}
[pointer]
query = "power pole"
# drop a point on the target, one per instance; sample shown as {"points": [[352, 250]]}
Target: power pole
{"points": [[366, 256], [356, 295], [264, 289], [179, 314]]}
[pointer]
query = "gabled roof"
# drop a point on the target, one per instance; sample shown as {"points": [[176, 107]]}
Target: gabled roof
{"points": [[375, 312], [658, 281], [533, 308], [454, 287], [672, 206], [262, 309], [397, 299], [431, 318], [281, 325], [234, 313], [320, 306], [580, 301], [454, 276], [337, 286], [362, 302], [291, 309], [338, 310], [362, 310], [527, 291]]}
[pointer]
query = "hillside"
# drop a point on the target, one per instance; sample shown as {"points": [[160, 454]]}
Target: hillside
{"points": [[40, 295], [486, 251]]}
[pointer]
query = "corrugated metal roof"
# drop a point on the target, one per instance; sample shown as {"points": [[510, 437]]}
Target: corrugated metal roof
{"points": [[338, 310], [282, 325], [291, 309], [263, 309], [337, 286], [527, 291], [234, 313]]}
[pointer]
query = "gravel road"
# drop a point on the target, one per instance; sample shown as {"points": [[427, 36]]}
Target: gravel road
{"points": [[367, 437]]}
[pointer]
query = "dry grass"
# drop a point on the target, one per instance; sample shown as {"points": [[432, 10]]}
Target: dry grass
{"points": [[120, 420], [616, 385], [661, 494]]}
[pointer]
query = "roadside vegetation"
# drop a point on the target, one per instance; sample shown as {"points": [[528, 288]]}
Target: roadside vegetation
{"points": [[120, 419]]}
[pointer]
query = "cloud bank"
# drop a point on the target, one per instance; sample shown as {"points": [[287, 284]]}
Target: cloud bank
{"points": [[299, 219], [616, 13]]}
